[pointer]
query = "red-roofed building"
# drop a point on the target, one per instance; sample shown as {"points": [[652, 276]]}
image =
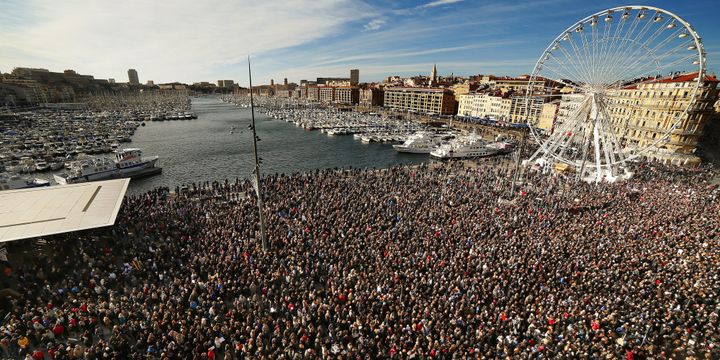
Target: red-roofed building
{"points": [[643, 112]]}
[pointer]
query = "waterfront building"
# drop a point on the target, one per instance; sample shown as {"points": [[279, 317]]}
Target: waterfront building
{"points": [[227, 84], [461, 89], [150, 83], [133, 77], [548, 115], [569, 103], [346, 95], [172, 86], [484, 106], [642, 113], [421, 100], [525, 109], [333, 81], [326, 94], [372, 97], [111, 80], [283, 93], [312, 93]]}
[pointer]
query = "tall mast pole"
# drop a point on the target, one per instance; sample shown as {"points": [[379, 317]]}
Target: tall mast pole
{"points": [[258, 186]]}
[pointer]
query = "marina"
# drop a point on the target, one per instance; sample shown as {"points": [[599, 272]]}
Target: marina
{"points": [[57, 146], [405, 136], [218, 146]]}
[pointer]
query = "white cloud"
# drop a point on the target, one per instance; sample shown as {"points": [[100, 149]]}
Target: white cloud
{"points": [[181, 40], [374, 25], [438, 3], [419, 52]]}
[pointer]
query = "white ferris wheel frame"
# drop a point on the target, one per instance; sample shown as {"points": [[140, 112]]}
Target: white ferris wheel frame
{"points": [[547, 149]]}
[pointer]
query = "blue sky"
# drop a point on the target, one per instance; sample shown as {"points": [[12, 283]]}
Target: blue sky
{"points": [[190, 41]]}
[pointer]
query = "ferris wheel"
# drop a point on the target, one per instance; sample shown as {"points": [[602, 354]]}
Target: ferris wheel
{"points": [[596, 71]]}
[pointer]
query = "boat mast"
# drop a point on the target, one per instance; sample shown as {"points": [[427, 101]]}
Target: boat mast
{"points": [[258, 186]]}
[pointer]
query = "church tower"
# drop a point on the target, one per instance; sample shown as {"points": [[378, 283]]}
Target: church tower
{"points": [[433, 76]]}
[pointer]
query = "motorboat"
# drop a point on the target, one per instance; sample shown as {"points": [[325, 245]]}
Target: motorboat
{"points": [[126, 163], [14, 182], [466, 147]]}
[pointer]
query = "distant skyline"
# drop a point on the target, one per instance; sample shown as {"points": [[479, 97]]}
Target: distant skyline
{"points": [[192, 41]]}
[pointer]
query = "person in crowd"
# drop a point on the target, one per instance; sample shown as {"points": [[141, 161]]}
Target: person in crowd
{"points": [[406, 262]]}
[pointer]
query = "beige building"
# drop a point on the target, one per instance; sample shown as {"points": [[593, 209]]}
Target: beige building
{"points": [[312, 93], [337, 94], [460, 89], [548, 115], [421, 100], [643, 113], [525, 110], [371, 97], [326, 94], [283, 93], [484, 106], [567, 105], [347, 95], [515, 109]]}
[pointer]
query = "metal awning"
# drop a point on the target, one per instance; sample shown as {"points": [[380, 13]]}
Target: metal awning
{"points": [[29, 213]]}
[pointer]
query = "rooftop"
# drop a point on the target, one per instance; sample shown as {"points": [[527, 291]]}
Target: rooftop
{"points": [[29, 213], [417, 89]]}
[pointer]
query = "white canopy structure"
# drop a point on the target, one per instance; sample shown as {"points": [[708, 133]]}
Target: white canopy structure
{"points": [[29, 213]]}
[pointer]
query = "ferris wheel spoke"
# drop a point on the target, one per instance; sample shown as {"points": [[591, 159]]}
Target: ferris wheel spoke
{"points": [[607, 44], [659, 48], [645, 58], [616, 35], [580, 59], [648, 47], [638, 68], [593, 50], [633, 38], [588, 57], [561, 77], [571, 71], [661, 67], [576, 66]]}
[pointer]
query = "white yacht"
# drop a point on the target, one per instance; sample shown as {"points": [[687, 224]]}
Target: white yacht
{"points": [[12, 182], [466, 147], [421, 143], [126, 163]]}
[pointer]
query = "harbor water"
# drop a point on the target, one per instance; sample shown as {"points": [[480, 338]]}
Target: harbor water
{"points": [[218, 146]]}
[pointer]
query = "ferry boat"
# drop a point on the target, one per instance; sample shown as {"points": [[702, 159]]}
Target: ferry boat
{"points": [[13, 182], [421, 143], [126, 163], [464, 148]]}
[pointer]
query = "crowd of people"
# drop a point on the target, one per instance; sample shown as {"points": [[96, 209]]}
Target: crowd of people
{"points": [[407, 262]]}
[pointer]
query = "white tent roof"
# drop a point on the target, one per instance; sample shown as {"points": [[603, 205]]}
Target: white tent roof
{"points": [[28, 213]]}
